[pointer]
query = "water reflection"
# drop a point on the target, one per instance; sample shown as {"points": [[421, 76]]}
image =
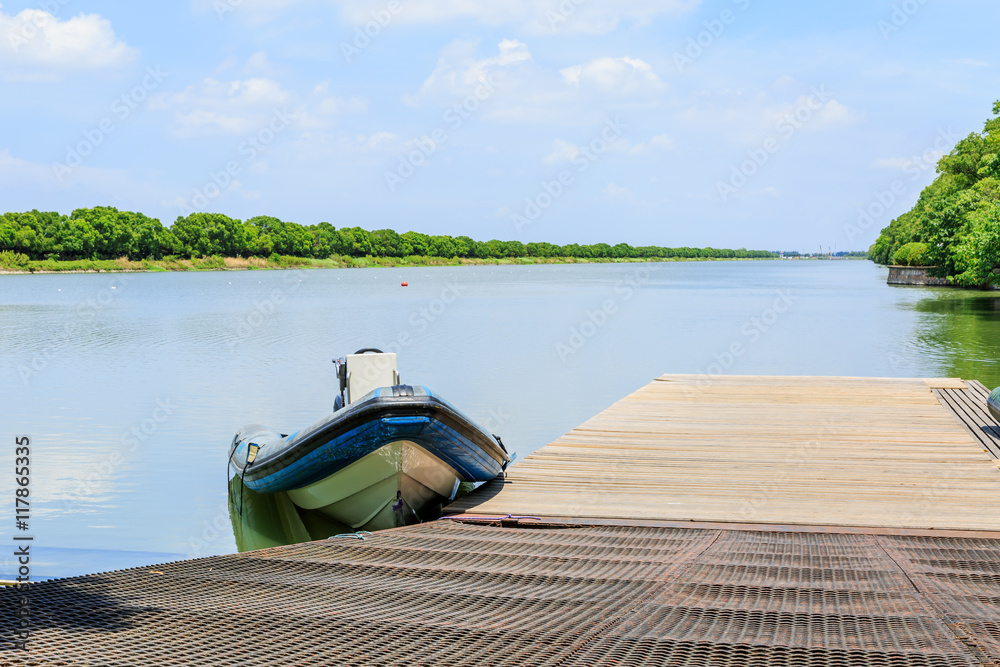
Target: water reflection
{"points": [[185, 340], [262, 520], [960, 330]]}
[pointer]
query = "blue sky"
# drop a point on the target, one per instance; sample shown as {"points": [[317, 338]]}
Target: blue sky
{"points": [[726, 123]]}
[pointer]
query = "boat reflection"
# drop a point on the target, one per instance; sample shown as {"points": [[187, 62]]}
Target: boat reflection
{"points": [[262, 520]]}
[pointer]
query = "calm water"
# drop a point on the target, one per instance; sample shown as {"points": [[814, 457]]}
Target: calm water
{"points": [[131, 387]]}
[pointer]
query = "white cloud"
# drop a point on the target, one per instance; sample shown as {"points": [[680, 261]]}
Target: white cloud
{"points": [[250, 11], [561, 151], [330, 104], [921, 163], [510, 86], [810, 112], [614, 191], [747, 117], [11, 166], [97, 183], [36, 45], [614, 76], [969, 62], [660, 142], [223, 107], [242, 106], [380, 141], [892, 163], [835, 113], [260, 64], [534, 16], [461, 72]]}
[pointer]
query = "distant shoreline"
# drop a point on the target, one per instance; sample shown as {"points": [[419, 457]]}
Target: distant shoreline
{"points": [[260, 264]]}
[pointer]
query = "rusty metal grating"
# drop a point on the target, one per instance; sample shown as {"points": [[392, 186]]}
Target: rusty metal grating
{"points": [[450, 593], [962, 578]]}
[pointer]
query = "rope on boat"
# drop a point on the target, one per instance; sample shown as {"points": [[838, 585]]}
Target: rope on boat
{"points": [[252, 450], [488, 518], [359, 535]]}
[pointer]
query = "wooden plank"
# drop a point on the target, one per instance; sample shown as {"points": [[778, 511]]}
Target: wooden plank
{"points": [[978, 388], [945, 383], [973, 416], [876, 452]]}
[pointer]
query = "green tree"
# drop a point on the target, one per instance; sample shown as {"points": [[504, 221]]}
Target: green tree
{"points": [[953, 215], [979, 252], [207, 234]]}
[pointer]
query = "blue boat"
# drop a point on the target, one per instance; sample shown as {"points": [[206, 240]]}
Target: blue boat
{"points": [[390, 455], [993, 403]]}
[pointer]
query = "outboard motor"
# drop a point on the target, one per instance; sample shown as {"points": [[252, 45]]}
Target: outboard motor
{"points": [[993, 403], [363, 372]]}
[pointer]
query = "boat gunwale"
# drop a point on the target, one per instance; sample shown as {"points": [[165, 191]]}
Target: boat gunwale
{"points": [[371, 410]]}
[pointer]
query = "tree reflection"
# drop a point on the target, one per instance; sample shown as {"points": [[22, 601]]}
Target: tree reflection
{"points": [[961, 331]]}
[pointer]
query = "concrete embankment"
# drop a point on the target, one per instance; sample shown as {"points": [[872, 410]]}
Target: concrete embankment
{"points": [[915, 275]]}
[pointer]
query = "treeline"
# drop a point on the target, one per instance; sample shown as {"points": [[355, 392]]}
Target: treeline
{"points": [[955, 225], [107, 233]]}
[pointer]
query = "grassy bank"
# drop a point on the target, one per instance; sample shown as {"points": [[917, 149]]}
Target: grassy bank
{"points": [[284, 262]]}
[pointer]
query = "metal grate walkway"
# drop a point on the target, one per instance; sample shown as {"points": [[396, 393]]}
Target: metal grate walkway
{"points": [[450, 593]]}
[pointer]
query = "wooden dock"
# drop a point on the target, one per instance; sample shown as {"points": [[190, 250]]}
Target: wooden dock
{"points": [[820, 451]]}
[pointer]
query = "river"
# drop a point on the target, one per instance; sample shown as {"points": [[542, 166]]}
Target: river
{"points": [[131, 386]]}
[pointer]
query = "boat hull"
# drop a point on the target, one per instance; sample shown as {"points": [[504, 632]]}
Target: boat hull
{"points": [[993, 402], [396, 485], [390, 459]]}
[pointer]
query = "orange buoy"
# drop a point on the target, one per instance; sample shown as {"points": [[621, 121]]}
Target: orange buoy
{"points": [[406, 284]]}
